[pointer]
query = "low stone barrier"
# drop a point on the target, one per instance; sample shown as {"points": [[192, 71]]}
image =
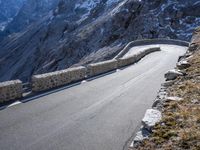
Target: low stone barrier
{"points": [[150, 42], [55, 79], [10, 90], [13, 89], [101, 67], [135, 58]]}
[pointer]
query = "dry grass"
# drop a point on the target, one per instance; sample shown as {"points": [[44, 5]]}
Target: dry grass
{"points": [[180, 126]]}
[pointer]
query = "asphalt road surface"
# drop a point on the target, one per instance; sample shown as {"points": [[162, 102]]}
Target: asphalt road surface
{"points": [[100, 114]]}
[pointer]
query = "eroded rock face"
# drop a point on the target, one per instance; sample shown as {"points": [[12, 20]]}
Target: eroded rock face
{"points": [[30, 12], [9, 8], [77, 32]]}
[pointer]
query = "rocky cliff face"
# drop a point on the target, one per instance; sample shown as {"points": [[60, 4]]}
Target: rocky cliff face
{"points": [[30, 12], [8, 9], [78, 32]]}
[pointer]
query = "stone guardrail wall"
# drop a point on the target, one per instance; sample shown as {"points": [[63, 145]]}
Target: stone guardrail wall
{"points": [[10, 90], [13, 89], [135, 58], [149, 42], [101, 67], [55, 79]]}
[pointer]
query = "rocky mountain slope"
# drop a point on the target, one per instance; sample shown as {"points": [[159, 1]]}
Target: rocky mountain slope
{"points": [[8, 9], [31, 11], [77, 32]]}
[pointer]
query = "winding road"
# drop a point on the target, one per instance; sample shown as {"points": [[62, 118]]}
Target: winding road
{"points": [[98, 114]]}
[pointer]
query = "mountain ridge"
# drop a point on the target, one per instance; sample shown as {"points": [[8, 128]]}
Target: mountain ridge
{"points": [[91, 31]]}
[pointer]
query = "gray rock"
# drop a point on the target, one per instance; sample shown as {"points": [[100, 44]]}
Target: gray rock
{"points": [[173, 98], [173, 74], [151, 117], [140, 136], [168, 83], [187, 55], [193, 47], [195, 101], [162, 95], [183, 64], [156, 104]]}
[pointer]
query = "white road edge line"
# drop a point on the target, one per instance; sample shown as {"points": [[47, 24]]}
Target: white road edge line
{"points": [[84, 81], [14, 104]]}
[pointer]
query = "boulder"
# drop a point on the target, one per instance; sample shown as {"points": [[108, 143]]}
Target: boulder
{"points": [[173, 74], [152, 116], [183, 64]]}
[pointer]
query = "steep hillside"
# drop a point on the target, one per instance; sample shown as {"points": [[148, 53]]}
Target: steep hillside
{"points": [[31, 11], [82, 31], [8, 9]]}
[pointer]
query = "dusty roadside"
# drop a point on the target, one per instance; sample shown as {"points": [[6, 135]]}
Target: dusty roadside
{"points": [[179, 127]]}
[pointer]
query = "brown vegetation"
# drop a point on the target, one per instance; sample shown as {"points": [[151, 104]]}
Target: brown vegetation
{"points": [[180, 126]]}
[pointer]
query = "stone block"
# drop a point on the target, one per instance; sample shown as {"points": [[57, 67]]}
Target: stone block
{"points": [[58, 78], [10, 90], [102, 67]]}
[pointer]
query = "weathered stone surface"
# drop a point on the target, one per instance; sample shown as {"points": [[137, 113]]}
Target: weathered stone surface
{"points": [[10, 90], [173, 74], [58, 78], [102, 67], [151, 117], [183, 64]]}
